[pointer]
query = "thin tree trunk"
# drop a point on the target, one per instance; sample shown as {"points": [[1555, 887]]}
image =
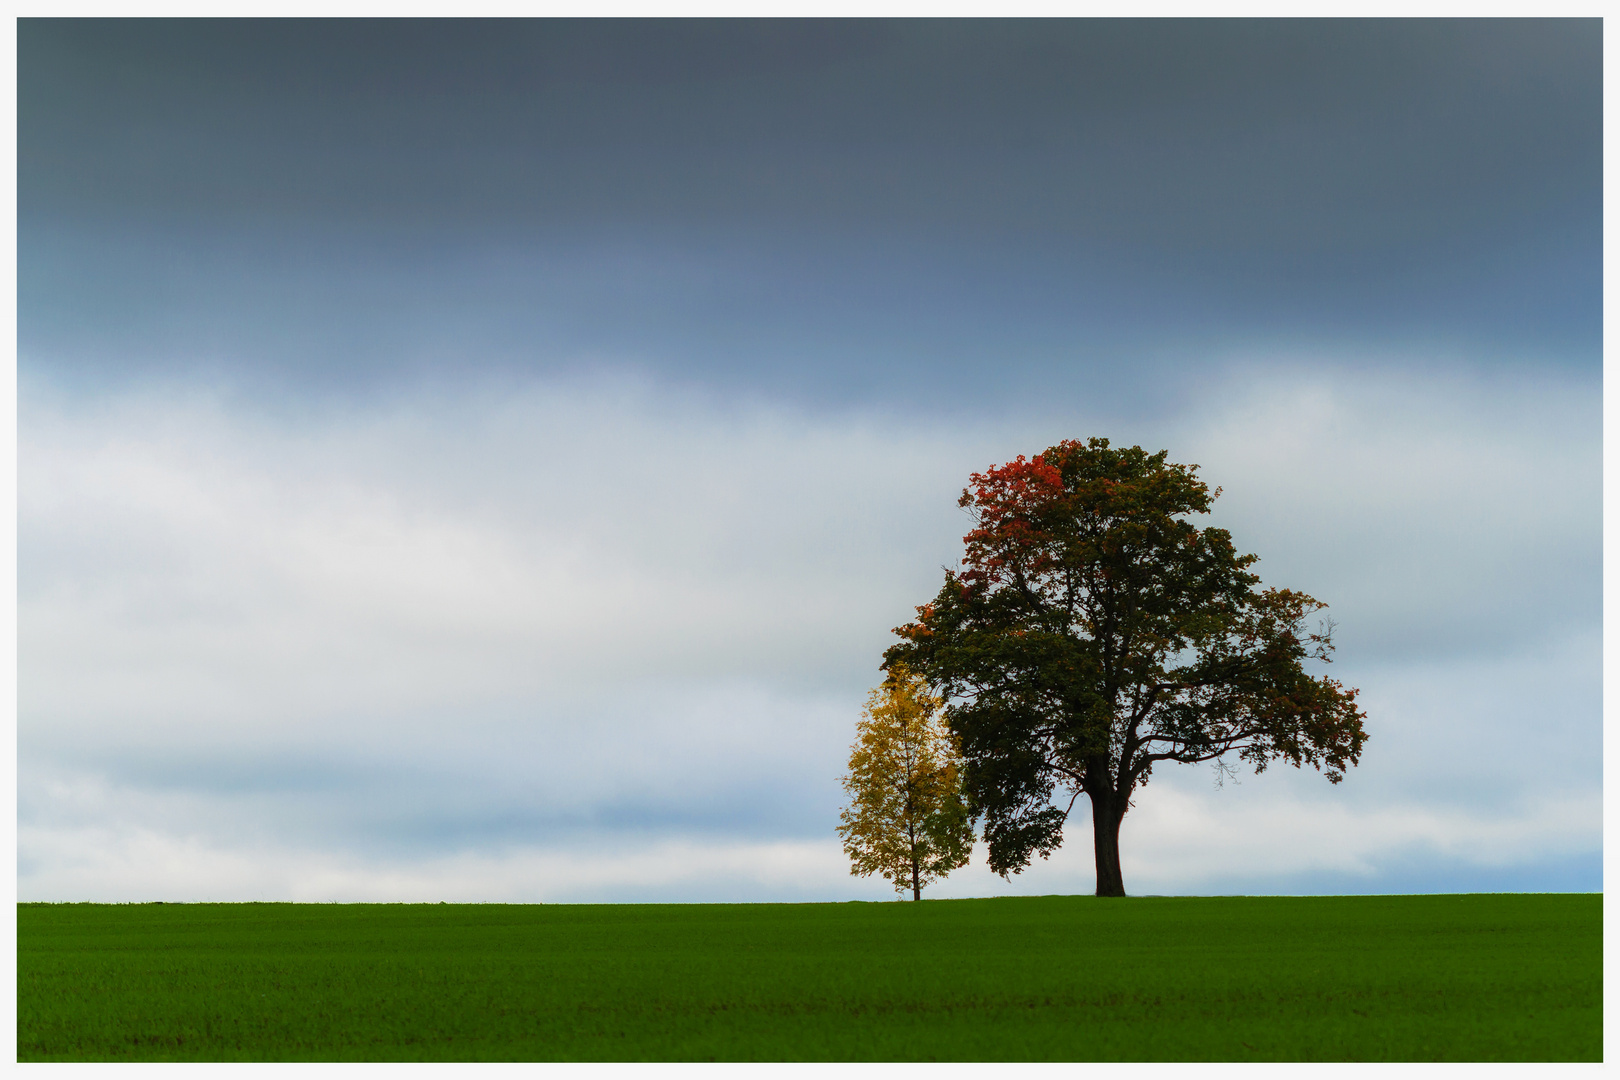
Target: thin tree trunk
{"points": [[1106, 814], [911, 834]]}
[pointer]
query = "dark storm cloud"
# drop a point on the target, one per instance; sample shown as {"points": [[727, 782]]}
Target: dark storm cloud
{"points": [[797, 203], [1284, 137]]}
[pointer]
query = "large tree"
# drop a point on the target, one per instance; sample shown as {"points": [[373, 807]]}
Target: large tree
{"points": [[1094, 632], [906, 818]]}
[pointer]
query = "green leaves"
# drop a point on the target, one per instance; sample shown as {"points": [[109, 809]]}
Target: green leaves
{"points": [[1095, 631]]}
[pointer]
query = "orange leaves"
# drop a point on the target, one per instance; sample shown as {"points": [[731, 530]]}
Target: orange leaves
{"points": [[920, 629]]}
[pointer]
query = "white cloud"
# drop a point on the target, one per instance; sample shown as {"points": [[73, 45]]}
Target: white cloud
{"points": [[1180, 838], [607, 608], [1177, 840], [1439, 514], [111, 864]]}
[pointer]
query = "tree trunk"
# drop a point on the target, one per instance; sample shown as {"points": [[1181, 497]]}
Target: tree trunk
{"points": [[916, 880], [1107, 812]]}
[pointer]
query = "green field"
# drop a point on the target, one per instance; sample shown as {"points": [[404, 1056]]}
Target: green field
{"points": [[1380, 978]]}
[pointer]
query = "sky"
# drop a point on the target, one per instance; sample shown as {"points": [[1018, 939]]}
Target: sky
{"points": [[486, 460]]}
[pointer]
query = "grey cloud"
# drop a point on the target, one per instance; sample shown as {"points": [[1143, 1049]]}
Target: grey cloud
{"points": [[931, 327], [828, 211], [1278, 134], [483, 623]]}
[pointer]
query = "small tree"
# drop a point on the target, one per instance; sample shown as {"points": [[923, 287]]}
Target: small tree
{"points": [[906, 819], [1095, 633]]}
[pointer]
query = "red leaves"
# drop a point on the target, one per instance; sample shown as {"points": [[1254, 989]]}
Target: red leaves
{"points": [[1035, 515], [1010, 502], [1006, 488]]}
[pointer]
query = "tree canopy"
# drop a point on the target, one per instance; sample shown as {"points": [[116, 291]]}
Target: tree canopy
{"points": [[1094, 632], [906, 819]]}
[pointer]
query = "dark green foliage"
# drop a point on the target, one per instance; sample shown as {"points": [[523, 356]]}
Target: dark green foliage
{"points": [[1095, 633], [1422, 978]]}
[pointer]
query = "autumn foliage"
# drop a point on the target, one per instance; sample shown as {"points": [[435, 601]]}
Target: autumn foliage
{"points": [[1094, 632], [906, 819]]}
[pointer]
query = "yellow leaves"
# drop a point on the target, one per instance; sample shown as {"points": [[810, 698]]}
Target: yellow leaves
{"points": [[906, 819]]}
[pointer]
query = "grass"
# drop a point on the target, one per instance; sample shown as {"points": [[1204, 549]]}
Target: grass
{"points": [[1380, 978]]}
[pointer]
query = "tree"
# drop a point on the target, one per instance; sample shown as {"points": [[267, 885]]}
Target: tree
{"points": [[906, 819], [1094, 632]]}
